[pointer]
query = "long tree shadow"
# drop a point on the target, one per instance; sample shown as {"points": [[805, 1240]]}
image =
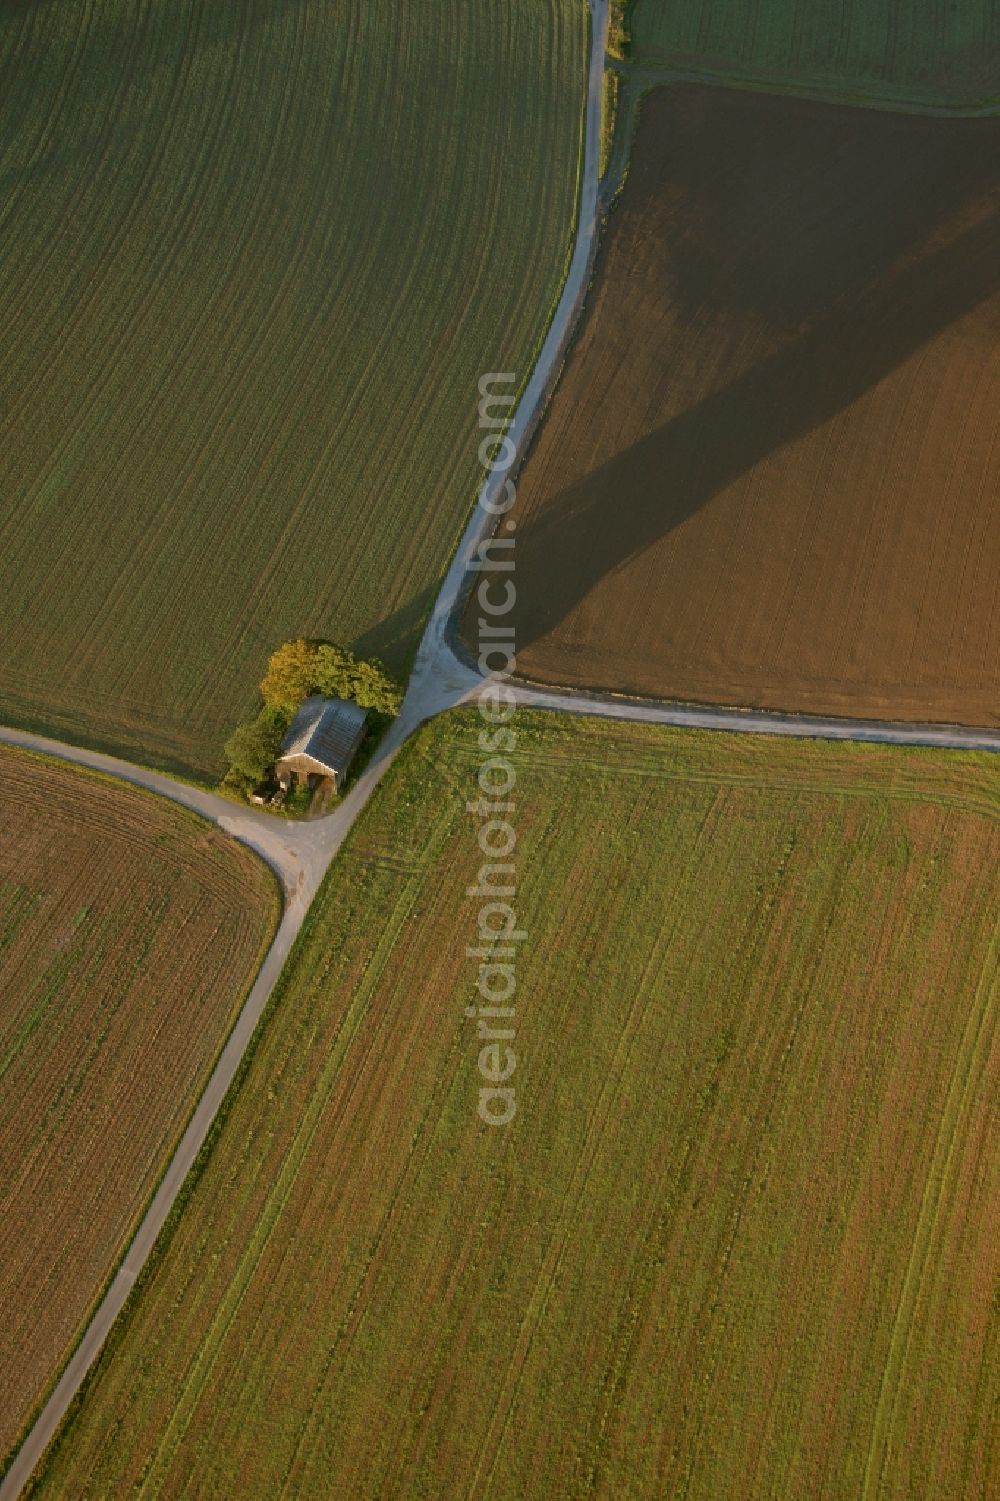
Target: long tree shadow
{"points": [[626, 505], [843, 331], [394, 639]]}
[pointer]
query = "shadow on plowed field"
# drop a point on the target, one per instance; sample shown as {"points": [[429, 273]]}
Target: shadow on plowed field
{"points": [[884, 233]]}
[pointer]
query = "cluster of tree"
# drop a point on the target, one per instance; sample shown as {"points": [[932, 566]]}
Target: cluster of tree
{"points": [[294, 671], [302, 667]]}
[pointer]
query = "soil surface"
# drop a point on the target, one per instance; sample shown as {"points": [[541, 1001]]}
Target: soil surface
{"points": [[769, 474]]}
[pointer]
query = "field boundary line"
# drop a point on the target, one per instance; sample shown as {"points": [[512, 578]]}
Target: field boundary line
{"points": [[438, 664], [647, 76], [637, 79]]}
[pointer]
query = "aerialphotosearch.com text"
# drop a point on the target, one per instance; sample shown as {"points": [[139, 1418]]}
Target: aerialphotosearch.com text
{"points": [[498, 936]]}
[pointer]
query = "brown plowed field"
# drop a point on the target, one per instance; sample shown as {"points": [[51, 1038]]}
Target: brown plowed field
{"points": [[129, 933], [770, 473]]}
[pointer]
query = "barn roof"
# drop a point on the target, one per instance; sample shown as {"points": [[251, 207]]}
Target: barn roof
{"points": [[329, 730]]}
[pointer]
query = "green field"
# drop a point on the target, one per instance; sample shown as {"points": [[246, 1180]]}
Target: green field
{"points": [[739, 1239], [933, 52], [257, 256]]}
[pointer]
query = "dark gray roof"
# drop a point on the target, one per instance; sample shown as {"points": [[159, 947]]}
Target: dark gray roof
{"points": [[327, 729]]}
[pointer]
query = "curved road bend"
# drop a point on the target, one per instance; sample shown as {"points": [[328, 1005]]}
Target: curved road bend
{"points": [[291, 849], [301, 852]]}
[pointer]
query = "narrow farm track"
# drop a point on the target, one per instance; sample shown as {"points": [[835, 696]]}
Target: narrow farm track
{"points": [[301, 853], [759, 722]]}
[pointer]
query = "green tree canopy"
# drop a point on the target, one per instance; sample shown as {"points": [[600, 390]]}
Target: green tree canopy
{"points": [[294, 671], [289, 675], [253, 748], [302, 667]]}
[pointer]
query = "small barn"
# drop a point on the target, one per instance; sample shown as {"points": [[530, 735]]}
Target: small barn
{"points": [[321, 743]]}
